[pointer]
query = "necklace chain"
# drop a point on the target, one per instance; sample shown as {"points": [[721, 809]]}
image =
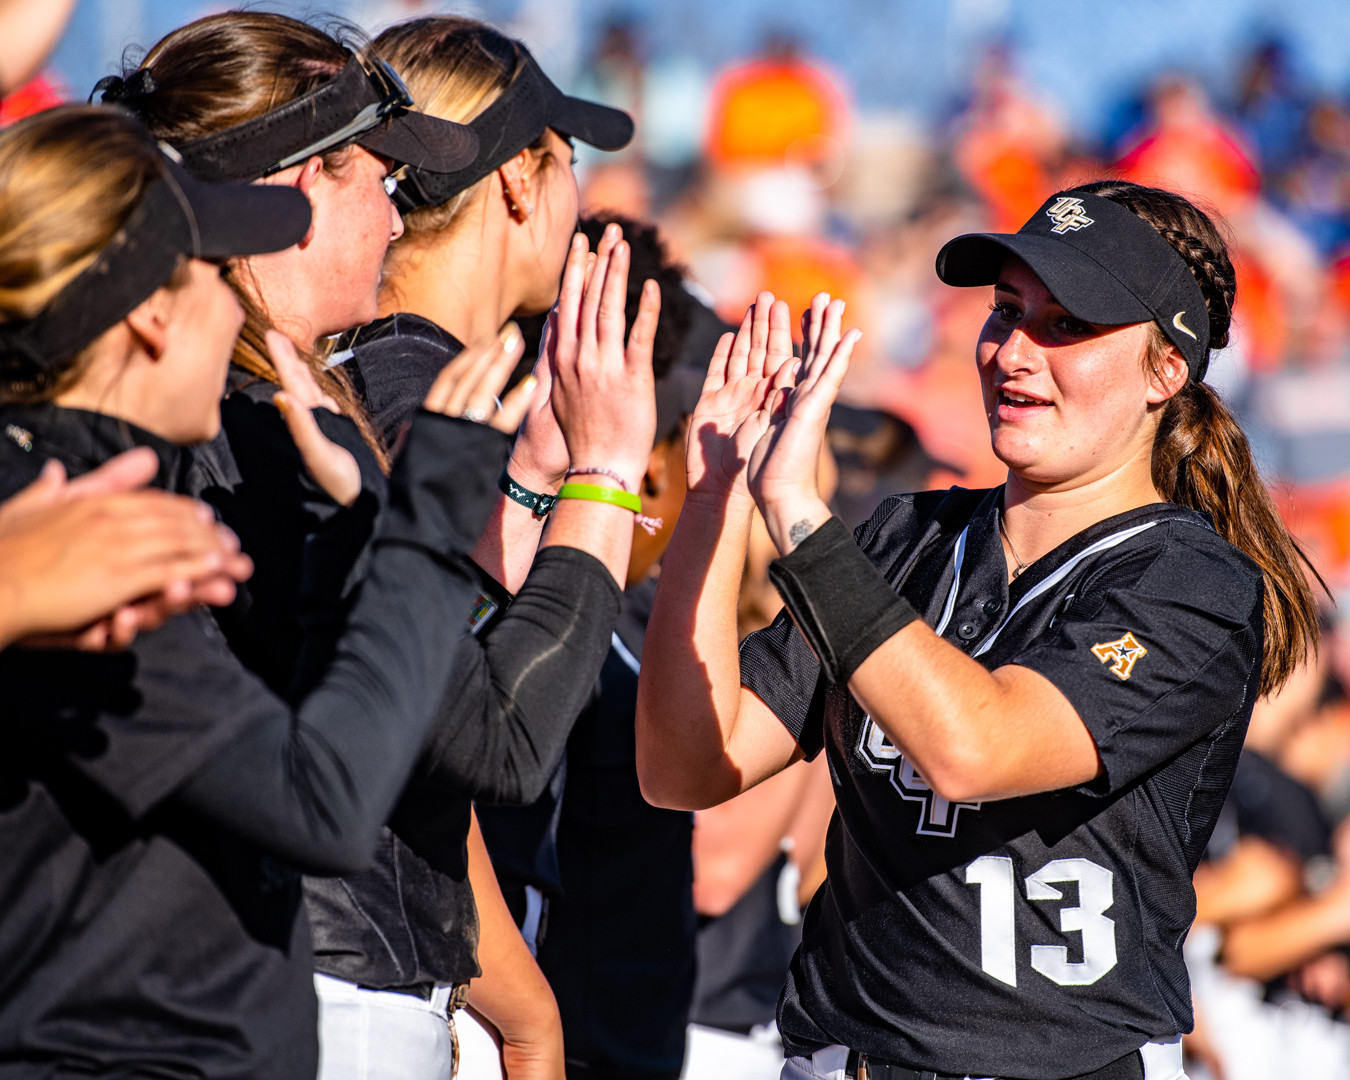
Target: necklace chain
{"points": [[1003, 529]]}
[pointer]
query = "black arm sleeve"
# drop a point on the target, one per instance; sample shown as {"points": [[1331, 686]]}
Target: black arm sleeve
{"points": [[316, 785], [518, 688]]}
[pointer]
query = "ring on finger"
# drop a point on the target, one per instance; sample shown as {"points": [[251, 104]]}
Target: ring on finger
{"points": [[474, 414]]}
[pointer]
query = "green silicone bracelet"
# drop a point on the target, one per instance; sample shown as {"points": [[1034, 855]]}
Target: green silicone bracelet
{"points": [[596, 493]]}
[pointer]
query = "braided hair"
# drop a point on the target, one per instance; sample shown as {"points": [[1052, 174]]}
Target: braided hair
{"points": [[1201, 457]]}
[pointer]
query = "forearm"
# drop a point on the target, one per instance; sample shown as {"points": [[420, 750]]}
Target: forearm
{"points": [[518, 688], [972, 734], [600, 529], [689, 690], [508, 544], [321, 781], [1272, 945], [512, 993]]}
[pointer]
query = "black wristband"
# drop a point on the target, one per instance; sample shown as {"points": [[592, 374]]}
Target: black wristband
{"points": [[841, 602], [539, 504]]}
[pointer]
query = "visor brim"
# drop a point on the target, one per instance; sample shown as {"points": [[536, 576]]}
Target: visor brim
{"points": [[1080, 284], [233, 219], [423, 142], [600, 126]]}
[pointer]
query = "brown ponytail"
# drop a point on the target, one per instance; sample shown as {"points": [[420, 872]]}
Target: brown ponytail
{"points": [[220, 71], [1201, 457]]}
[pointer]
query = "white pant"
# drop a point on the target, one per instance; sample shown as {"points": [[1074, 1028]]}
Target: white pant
{"points": [[710, 1054], [1162, 1061], [480, 1058], [381, 1035]]}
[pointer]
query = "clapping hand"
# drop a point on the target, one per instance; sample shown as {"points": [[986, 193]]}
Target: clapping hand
{"points": [[783, 464], [731, 413]]}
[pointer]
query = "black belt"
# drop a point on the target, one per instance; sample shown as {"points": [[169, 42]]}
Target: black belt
{"points": [[863, 1067]]}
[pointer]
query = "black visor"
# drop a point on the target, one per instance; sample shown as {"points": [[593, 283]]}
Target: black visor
{"points": [[178, 217], [1102, 263], [525, 110], [369, 108]]}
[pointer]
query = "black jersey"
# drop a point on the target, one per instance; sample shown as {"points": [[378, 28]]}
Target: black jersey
{"points": [[156, 804], [394, 362], [1037, 936]]}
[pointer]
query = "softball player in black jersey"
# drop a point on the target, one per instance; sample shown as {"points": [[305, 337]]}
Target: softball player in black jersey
{"points": [[1032, 698]]}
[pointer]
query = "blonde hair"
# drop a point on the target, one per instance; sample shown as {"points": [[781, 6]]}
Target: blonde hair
{"points": [[70, 178], [455, 68]]}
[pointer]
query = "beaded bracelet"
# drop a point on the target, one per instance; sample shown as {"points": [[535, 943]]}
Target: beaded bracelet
{"points": [[599, 472], [539, 504]]}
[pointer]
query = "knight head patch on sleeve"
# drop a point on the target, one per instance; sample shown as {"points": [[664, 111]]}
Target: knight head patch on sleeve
{"points": [[1122, 654]]}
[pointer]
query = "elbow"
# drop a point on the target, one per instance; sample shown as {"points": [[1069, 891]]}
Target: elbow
{"points": [[658, 790], [958, 777], [668, 787]]}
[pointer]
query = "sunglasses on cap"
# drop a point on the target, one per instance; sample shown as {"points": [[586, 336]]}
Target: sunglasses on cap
{"points": [[396, 100], [366, 103]]}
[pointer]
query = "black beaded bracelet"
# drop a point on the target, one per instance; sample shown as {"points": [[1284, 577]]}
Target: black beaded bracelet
{"points": [[540, 505], [840, 600]]}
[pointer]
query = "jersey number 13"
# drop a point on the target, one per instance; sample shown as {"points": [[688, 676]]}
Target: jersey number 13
{"points": [[998, 893]]}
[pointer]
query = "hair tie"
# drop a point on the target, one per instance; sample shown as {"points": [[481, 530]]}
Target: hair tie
{"points": [[115, 88]]}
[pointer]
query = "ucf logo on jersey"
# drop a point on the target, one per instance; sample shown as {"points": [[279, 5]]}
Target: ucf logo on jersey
{"points": [[1068, 215], [937, 815], [1123, 653]]}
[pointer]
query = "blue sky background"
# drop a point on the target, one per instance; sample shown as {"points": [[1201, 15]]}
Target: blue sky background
{"points": [[912, 55]]}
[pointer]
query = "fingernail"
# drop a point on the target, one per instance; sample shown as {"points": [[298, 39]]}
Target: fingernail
{"points": [[528, 383], [282, 403], [510, 337]]}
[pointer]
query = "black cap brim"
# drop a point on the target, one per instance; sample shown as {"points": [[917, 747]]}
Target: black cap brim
{"points": [[1081, 285], [596, 125], [423, 142], [233, 219]]}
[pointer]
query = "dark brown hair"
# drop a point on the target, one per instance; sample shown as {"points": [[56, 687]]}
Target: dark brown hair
{"points": [[1201, 457], [220, 71]]}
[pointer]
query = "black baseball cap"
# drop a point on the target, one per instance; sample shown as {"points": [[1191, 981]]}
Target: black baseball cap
{"points": [[1102, 263], [365, 103], [523, 112], [179, 216]]}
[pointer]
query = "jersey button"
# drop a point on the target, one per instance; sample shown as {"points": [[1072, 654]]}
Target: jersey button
{"points": [[991, 606], [967, 630]]}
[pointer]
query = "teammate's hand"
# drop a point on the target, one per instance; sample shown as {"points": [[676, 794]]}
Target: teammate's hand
{"points": [[539, 458], [603, 393], [730, 418], [332, 466], [468, 386], [90, 563], [782, 473]]}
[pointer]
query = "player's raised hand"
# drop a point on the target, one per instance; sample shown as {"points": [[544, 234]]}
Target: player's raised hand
{"points": [[729, 418], [539, 458], [332, 466], [782, 471], [603, 392]]}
